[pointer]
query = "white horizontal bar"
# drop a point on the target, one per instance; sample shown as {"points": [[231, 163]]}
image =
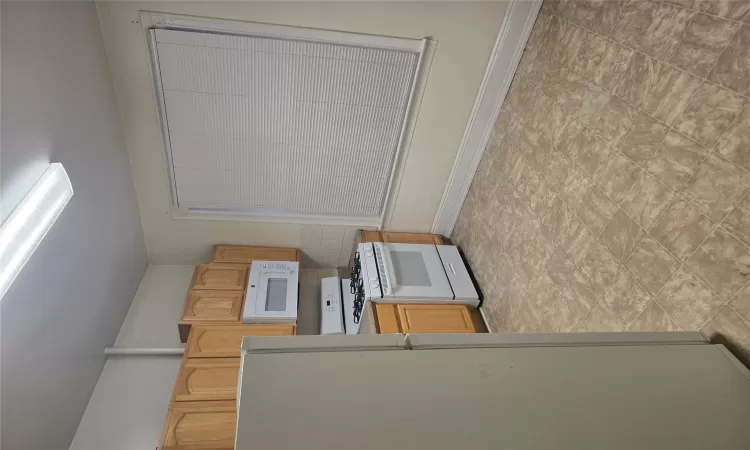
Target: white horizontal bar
{"points": [[136, 351], [192, 23]]}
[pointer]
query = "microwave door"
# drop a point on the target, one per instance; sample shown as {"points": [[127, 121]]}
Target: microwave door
{"points": [[275, 297], [416, 272]]}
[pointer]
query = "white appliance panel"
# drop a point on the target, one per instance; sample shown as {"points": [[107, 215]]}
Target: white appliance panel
{"points": [[413, 272], [272, 292], [331, 311]]}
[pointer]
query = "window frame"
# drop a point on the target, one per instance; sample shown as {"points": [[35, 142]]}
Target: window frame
{"points": [[425, 49]]}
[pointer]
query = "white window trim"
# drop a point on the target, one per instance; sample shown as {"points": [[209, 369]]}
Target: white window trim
{"points": [[424, 47]]}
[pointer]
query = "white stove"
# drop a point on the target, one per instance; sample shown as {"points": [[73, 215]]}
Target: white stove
{"points": [[410, 273]]}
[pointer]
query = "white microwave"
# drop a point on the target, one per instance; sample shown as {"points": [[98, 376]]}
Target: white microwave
{"points": [[272, 293]]}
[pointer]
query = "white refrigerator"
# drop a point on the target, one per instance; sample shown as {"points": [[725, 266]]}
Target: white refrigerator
{"points": [[572, 391]]}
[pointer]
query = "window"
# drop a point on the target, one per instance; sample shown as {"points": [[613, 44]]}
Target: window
{"points": [[283, 121]]}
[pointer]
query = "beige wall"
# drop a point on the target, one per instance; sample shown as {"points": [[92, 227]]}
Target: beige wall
{"points": [[465, 33], [613, 194]]}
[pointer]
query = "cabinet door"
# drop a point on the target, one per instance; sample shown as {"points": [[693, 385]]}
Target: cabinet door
{"points": [[236, 254], [225, 277], [200, 425], [411, 238], [207, 379], [225, 341], [435, 319], [213, 306]]}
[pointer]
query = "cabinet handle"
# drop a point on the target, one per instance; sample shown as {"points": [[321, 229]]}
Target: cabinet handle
{"points": [[452, 269]]}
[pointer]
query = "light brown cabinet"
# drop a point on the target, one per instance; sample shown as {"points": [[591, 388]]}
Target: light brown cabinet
{"points": [[213, 306], [207, 379], [236, 254], [225, 341], [210, 307], [224, 277], [200, 426], [411, 238], [409, 318], [402, 238]]}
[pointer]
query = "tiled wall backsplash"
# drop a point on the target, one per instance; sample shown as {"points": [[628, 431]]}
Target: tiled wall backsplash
{"points": [[326, 246], [613, 192]]}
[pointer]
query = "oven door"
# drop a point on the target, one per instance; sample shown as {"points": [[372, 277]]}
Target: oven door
{"points": [[414, 273], [272, 293]]}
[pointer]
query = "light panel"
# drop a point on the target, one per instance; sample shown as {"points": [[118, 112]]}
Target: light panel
{"points": [[25, 228]]}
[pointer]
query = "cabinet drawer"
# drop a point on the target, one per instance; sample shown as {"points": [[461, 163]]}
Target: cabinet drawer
{"points": [[200, 426], [225, 277], [225, 341], [236, 254], [213, 306], [435, 319], [414, 318], [207, 379]]}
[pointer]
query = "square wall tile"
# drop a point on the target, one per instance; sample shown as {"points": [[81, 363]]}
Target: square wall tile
{"points": [[625, 298], [722, 262], [688, 301], [716, 187], [622, 235], [320, 258], [310, 236], [705, 39], [682, 229], [332, 237], [676, 160], [709, 113], [647, 200], [732, 70], [651, 265]]}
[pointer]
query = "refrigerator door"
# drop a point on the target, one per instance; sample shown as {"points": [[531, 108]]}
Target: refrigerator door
{"points": [[618, 397]]}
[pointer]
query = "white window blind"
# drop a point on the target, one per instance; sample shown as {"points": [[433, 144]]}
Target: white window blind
{"points": [[269, 125]]}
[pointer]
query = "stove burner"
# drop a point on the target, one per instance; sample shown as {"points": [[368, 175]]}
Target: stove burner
{"points": [[357, 287]]}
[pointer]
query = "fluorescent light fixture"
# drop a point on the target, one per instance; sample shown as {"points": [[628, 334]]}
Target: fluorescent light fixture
{"points": [[27, 225]]}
